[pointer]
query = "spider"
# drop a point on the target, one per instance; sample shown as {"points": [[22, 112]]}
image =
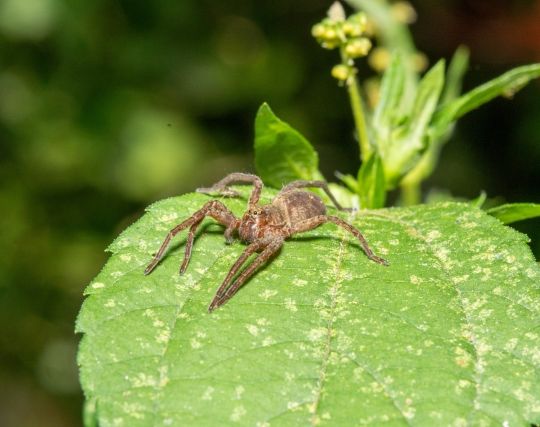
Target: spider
{"points": [[264, 228]]}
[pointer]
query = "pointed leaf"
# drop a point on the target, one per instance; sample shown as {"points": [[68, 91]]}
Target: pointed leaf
{"points": [[387, 109], [409, 142], [282, 154], [371, 183], [454, 78], [446, 335], [427, 97], [349, 180], [479, 201], [513, 212], [509, 82]]}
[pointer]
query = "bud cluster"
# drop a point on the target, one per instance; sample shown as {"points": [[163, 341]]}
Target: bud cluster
{"points": [[349, 34]]}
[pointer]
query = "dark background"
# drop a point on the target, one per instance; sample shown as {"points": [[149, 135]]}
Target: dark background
{"points": [[106, 106]]}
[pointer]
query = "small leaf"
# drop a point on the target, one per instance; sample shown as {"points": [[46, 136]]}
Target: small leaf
{"points": [[387, 109], [454, 77], [445, 335], [439, 134], [513, 212], [408, 142], [371, 183], [427, 97], [508, 82], [479, 201], [282, 154], [349, 180]]}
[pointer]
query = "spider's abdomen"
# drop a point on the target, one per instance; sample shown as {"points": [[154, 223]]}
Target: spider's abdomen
{"points": [[296, 206]]}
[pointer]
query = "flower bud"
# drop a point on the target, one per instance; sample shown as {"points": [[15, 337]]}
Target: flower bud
{"points": [[351, 30], [342, 72], [358, 47], [357, 24], [318, 30]]}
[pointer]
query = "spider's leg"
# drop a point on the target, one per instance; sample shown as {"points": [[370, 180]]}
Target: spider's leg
{"points": [[251, 249], [222, 186], [271, 248], [213, 208], [317, 184], [189, 246], [311, 223]]}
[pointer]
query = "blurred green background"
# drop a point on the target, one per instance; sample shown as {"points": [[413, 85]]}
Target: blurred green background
{"points": [[106, 106]]}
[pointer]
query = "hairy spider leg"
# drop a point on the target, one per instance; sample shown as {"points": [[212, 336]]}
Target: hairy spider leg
{"points": [[250, 250], [191, 237], [189, 245], [213, 208], [311, 223], [272, 247], [317, 184], [222, 186]]}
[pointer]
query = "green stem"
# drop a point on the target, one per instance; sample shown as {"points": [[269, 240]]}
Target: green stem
{"points": [[359, 117], [410, 193], [357, 109]]}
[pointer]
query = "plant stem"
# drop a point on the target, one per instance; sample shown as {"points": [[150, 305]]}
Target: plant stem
{"points": [[410, 193], [359, 118]]}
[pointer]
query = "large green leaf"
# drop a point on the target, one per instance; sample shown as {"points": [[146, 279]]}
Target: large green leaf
{"points": [[282, 154], [448, 334]]}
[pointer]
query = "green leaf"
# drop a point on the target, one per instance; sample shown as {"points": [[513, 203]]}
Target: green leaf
{"points": [[427, 97], [349, 180], [282, 154], [509, 82], [388, 108], [371, 183], [479, 201], [448, 334], [438, 135], [454, 77], [402, 152], [513, 212]]}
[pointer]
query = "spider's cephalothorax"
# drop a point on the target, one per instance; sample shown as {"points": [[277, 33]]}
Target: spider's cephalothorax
{"points": [[265, 227]]}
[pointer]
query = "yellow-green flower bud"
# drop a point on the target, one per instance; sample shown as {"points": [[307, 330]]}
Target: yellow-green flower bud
{"points": [[357, 23], [329, 34], [358, 47], [318, 30], [326, 33], [351, 30], [342, 72]]}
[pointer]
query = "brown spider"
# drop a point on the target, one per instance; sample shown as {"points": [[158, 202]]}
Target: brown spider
{"points": [[265, 227]]}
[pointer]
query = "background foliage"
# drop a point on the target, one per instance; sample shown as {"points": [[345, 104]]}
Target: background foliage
{"points": [[107, 105]]}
